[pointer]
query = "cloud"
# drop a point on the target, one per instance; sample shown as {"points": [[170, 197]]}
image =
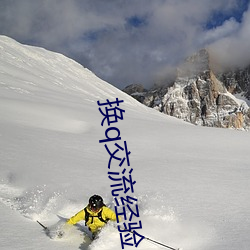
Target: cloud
{"points": [[129, 41], [228, 28], [233, 49]]}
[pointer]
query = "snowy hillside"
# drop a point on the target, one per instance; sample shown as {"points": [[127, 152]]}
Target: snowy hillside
{"points": [[193, 183]]}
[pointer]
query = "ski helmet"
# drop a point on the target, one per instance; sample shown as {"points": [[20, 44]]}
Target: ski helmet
{"points": [[95, 202]]}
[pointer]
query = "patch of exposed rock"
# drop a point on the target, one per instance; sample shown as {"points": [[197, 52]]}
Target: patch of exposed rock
{"points": [[199, 96]]}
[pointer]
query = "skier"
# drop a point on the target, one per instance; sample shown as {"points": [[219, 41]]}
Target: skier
{"points": [[95, 214]]}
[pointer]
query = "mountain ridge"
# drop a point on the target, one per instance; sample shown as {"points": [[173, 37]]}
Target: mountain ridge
{"points": [[201, 95]]}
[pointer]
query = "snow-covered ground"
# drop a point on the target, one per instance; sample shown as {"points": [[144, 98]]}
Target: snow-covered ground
{"points": [[192, 183]]}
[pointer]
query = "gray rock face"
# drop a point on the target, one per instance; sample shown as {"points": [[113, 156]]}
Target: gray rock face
{"points": [[237, 81], [200, 97]]}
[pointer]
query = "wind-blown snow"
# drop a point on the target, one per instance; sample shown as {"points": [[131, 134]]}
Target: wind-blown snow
{"points": [[193, 183]]}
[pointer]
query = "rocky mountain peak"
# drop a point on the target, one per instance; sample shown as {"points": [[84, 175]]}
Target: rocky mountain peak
{"points": [[200, 96], [196, 64]]}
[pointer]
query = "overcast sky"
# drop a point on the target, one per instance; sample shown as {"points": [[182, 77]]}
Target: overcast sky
{"points": [[131, 41]]}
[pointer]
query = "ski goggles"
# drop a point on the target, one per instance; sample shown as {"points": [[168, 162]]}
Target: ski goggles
{"points": [[94, 208]]}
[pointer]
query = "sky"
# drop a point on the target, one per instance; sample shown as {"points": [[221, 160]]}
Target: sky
{"points": [[132, 41]]}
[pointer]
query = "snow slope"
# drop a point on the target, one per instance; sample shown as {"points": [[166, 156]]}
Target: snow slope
{"points": [[193, 183]]}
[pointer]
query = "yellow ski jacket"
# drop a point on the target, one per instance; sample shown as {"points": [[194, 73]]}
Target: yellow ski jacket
{"points": [[93, 223]]}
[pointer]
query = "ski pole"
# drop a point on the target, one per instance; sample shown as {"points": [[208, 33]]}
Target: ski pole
{"points": [[45, 228], [157, 242]]}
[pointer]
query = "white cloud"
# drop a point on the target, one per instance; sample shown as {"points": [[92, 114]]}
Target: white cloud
{"points": [[228, 28], [97, 32], [233, 50]]}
